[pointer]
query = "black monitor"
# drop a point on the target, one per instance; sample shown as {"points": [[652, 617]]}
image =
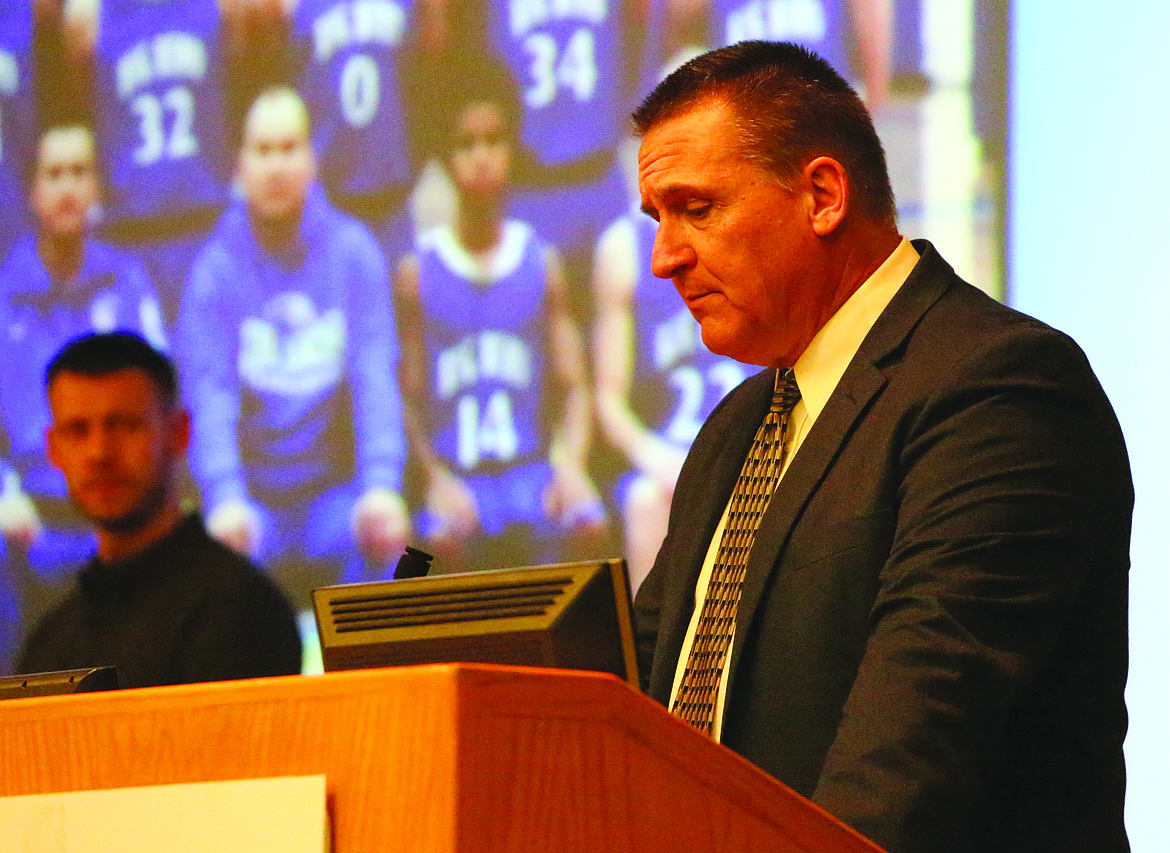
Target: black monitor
{"points": [[54, 683], [567, 615]]}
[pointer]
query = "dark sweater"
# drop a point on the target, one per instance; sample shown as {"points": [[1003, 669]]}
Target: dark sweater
{"points": [[186, 609]]}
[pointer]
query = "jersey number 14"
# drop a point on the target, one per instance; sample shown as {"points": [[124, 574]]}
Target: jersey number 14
{"points": [[486, 434]]}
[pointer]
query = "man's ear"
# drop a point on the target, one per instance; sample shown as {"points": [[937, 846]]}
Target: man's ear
{"points": [[830, 188], [51, 446]]}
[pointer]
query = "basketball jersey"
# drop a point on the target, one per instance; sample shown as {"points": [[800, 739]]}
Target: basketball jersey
{"points": [[17, 119], [484, 332], [350, 84], [158, 66], [677, 381], [567, 58], [290, 358], [38, 316], [820, 25]]}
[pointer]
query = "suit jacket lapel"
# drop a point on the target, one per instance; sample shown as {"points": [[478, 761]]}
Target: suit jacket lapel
{"points": [[862, 381]]}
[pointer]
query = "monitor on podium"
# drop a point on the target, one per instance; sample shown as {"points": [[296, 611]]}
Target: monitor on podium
{"points": [[567, 615], [85, 680]]}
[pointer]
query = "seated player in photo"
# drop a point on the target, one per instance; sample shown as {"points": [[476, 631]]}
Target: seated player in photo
{"points": [[497, 407], [286, 340], [58, 282], [656, 381]]}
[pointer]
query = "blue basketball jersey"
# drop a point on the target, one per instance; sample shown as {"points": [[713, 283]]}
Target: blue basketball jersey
{"points": [[567, 58], [485, 343], [350, 84], [158, 66], [820, 25], [677, 381], [38, 316], [17, 119], [290, 360]]}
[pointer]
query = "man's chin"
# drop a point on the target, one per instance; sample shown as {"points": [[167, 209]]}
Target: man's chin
{"points": [[720, 339], [117, 519], [278, 214], [67, 229], [733, 345]]}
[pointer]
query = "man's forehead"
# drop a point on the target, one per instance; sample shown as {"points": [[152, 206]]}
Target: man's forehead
{"points": [[694, 123], [277, 133], [275, 120], [65, 144], [679, 150], [715, 106], [85, 389], [661, 156]]}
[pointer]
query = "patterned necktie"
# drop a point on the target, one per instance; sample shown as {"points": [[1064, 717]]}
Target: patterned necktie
{"points": [[697, 692]]}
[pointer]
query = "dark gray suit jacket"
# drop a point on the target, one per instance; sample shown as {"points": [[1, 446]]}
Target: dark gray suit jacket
{"points": [[932, 639]]}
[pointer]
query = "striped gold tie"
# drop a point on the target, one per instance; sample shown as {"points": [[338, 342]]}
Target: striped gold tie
{"points": [[697, 692]]}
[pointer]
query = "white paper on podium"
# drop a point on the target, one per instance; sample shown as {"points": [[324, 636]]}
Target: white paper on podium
{"points": [[279, 815]]}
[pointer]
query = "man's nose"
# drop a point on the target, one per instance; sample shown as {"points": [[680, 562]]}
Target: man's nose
{"points": [[99, 443], [673, 252]]}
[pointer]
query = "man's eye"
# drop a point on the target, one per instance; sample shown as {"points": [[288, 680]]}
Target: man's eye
{"points": [[698, 209], [125, 424]]}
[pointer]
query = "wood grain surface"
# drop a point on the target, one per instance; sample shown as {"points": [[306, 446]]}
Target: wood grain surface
{"points": [[455, 757]]}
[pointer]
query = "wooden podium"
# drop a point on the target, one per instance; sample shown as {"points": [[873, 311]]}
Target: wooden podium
{"points": [[455, 757]]}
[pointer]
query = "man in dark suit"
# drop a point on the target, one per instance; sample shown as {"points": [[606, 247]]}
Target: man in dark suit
{"points": [[930, 639]]}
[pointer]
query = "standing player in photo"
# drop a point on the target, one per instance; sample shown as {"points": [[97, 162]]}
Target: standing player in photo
{"points": [[289, 355], [577, 68], [17, 118], [656, 381], [157, 75], [497, 408], [57, 283], [347, 58], [850, 34]]}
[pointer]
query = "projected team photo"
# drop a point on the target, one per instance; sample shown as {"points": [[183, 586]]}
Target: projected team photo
{"points": [[394, 252]]}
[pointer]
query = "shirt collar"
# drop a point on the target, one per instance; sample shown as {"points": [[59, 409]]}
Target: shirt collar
{"points": [[821, 365], [37, 287], [99, 578]]}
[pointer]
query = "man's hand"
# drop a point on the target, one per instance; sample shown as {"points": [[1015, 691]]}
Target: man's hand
{"points": [[19, 523], [453, 505], [454, 510], [380, 525], [572, 501], [236, 524]]}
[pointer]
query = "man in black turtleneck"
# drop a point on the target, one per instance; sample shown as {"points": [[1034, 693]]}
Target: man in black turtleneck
{"points": [[161, 600]]}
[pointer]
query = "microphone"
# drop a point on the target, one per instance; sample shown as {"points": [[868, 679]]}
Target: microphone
{"points": [[413, 564]]}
